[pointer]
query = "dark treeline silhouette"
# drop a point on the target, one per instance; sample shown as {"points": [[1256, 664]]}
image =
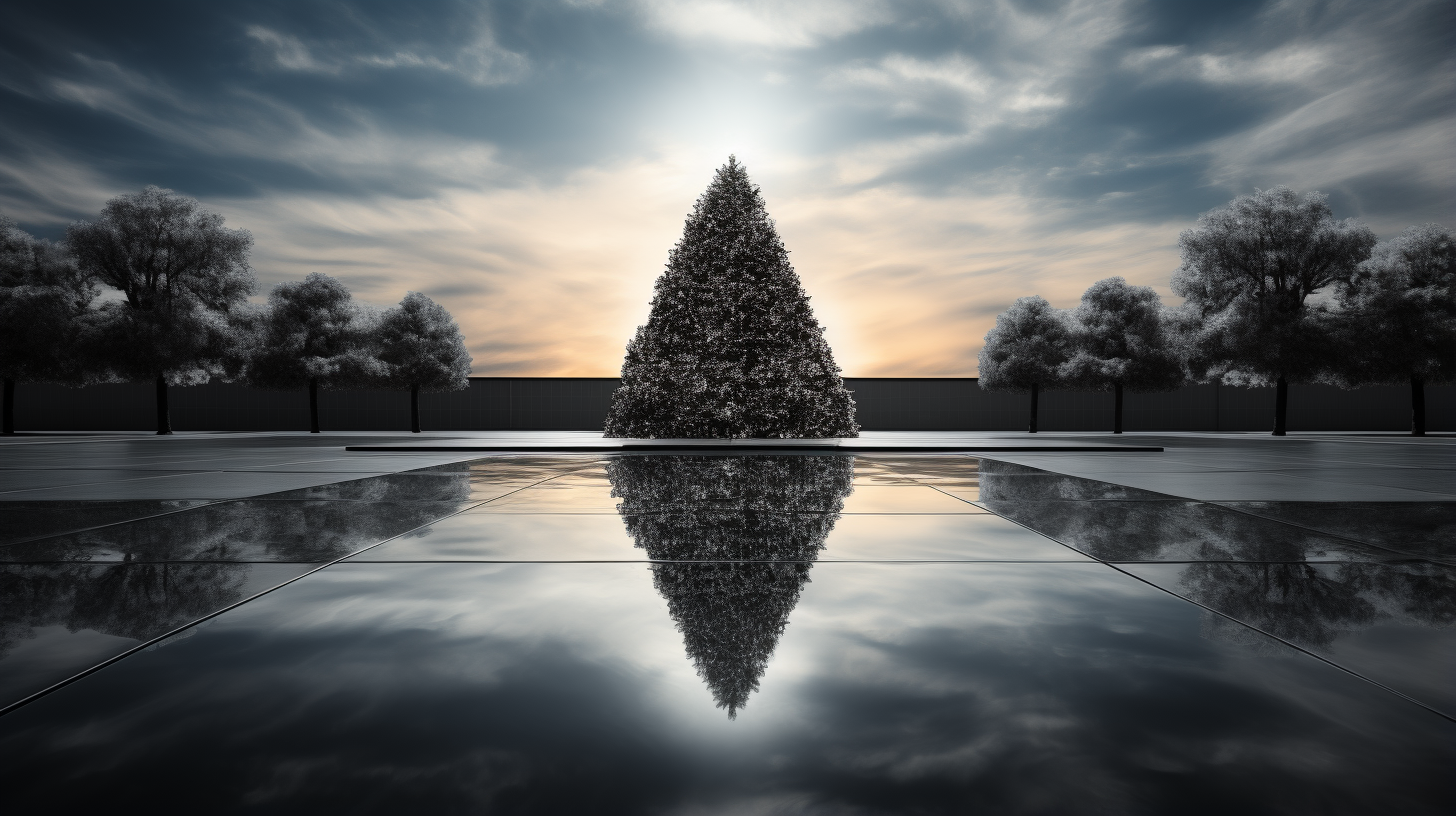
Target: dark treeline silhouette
{"points": [[734, 538], [1275, 290], [156, 289]]}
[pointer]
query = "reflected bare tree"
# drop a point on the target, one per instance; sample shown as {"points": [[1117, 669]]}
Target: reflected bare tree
{"points": [[735, 537], [163, 571], [1256, 570], [138, 601], [142, 601], [1300, 603], [1313, 605], [272, 530]]}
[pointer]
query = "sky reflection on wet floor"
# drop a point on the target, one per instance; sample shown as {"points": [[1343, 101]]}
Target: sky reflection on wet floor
{"points": [[744, 666]]}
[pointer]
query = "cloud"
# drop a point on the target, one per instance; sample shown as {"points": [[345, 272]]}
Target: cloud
{"points": [[928, 162], [481, 62], [473, 685], [771, 24], [288, 53]]}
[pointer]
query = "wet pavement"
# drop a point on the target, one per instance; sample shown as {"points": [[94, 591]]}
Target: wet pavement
{"points": [[727, 634]]}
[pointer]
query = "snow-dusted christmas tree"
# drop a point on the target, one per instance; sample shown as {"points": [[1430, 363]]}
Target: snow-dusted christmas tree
{"points": [[731, 348]]}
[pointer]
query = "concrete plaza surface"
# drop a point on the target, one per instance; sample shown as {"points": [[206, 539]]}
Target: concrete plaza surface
{"points": [[221, 622]]}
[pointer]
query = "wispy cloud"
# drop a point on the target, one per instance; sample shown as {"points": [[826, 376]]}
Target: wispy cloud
{"points": [[481, 62], [530, 164], [772, 24]]}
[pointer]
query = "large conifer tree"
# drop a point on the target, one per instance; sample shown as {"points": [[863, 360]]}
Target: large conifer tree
{"points": [[731, 348]]}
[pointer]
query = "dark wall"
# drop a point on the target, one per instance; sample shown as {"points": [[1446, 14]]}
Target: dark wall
{"points": [[945, 404], [580, 403]]}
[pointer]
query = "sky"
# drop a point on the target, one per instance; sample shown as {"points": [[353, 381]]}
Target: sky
{"points": [[530, 164]]}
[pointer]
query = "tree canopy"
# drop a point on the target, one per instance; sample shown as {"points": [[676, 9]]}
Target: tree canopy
{"points": [[1248, 272], [43, 297], [1119, 339], [180, 273], [731, 347], [1026, 348], [1400, 307], [1120, 342], [421, 346], [312, 332]]}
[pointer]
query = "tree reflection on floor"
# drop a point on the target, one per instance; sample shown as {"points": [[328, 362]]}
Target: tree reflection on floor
{"points": [[759, 522], [1308, 586]]}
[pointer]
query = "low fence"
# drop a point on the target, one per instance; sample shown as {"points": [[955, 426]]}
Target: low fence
{"points": [[580, 403]]}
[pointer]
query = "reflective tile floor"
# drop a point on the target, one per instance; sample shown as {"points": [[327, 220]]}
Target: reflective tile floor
{"points": [[688, 634]]}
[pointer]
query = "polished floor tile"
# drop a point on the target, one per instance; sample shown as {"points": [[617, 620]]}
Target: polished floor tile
{"points": [[57, 620], [718, 535], [551, 497], [17, 481], [1009, 481], [740, 664], [1426, 529], [406, 487], [560, 496], [905, 499], [936, 470], [1252, 467], [220, 485], [1392, 623], [1264, 486], [240, 531], [1440, 482], [725, 688], [1180, 531], [20, 521]]}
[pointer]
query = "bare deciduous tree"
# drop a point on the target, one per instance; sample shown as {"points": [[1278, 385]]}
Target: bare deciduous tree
{"points": [[1249, 270], [180, 273]]}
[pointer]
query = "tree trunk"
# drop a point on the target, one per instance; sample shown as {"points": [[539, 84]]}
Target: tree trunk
{"points": [[1418, 405], [1035, 393], [9, 410], [1281, 405], [414, 409], [313, 426], [1117, 408], [164, 415]]}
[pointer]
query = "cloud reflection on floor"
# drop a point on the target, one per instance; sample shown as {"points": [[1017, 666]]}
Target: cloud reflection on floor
{"points": [[850, 687]]}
